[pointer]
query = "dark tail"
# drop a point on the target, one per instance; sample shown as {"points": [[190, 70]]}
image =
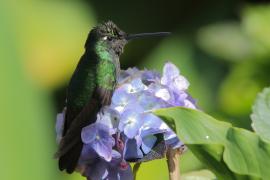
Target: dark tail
{"points": [[71, 145]]}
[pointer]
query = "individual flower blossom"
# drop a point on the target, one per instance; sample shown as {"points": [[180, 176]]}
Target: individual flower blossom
{"points": [[116, 169], [109, 117], [172, 78], [98, 137], [136, 85], [121, 99], [131, 122]]}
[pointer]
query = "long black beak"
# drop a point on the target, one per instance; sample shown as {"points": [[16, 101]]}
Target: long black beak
{"points": [[141, 35]]}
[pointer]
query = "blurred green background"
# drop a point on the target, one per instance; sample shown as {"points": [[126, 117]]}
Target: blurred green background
{"points": [[222, 47]]}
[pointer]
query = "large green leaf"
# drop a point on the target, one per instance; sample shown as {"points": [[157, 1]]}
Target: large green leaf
{"points": [[261, 114], [231, 153]]}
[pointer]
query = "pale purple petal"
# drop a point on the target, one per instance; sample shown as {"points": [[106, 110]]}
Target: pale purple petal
{"points": [[89, 133], [109, 117], [116, 173], [59, 126], [133, 71], [103, 149], [132, 150], [131, 130], [189, 104], [160, 91], [149, 77], [152, 125], [98, 137], [170, 71], [126, 174], [88, 155], [130, 122], [172, 140], [134, 86], [121, 99], [148, 142], [97, 171], [150, 102], [116, 154], [179, 83]]}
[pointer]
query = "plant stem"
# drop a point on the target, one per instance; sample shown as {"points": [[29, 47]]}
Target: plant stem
{"points": [[173, 156], [135, 169]]}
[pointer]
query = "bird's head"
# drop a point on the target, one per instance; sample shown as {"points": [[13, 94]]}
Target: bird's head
{"points": [[113, 38]]}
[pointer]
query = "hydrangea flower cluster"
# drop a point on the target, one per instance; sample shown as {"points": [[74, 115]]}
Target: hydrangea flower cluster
{"points": [[127, 130]]}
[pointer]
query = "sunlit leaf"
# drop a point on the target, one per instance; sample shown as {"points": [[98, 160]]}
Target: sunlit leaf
{"points": [[261, 114], [231, 153]]}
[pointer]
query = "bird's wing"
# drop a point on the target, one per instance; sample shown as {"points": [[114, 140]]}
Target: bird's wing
{"points": [[81, 110], [77, 118], [71, 144]]}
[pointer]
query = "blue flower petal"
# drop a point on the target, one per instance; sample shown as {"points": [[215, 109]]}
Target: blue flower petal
{"points": [[132, 150], [97, 171], [103, 149], [169, 71], [131, 121], [134, 86], [88, 133], [149, 77], [126, 174], [148, 142]]}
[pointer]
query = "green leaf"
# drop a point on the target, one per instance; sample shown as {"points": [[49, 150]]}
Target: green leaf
{"points": [[261, 115], [231, 153], [198, 175]]}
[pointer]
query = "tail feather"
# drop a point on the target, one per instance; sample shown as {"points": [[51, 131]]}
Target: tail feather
{"points": [[69, 160], [71, 145]]}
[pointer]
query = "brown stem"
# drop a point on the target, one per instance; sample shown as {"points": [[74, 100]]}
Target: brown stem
{"points": [[173, 156]]}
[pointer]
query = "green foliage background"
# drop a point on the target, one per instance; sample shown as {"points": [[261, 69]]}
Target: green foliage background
{"points": [[222, 47]]}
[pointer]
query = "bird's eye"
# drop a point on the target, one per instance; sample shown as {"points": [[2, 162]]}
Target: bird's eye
{"points": [[107, 38]]}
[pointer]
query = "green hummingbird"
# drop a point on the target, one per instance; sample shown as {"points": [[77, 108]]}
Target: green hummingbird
{"points": [[91, 86]]}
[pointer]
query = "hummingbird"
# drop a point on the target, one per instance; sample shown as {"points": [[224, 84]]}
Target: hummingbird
{"points": [[91, 86]]}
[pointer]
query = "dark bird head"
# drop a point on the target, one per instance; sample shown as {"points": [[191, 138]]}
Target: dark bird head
{"points": [[107, 35]]}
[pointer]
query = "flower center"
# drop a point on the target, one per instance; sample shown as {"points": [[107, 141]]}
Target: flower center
{"points": [[123, 165], [97, 137]]}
